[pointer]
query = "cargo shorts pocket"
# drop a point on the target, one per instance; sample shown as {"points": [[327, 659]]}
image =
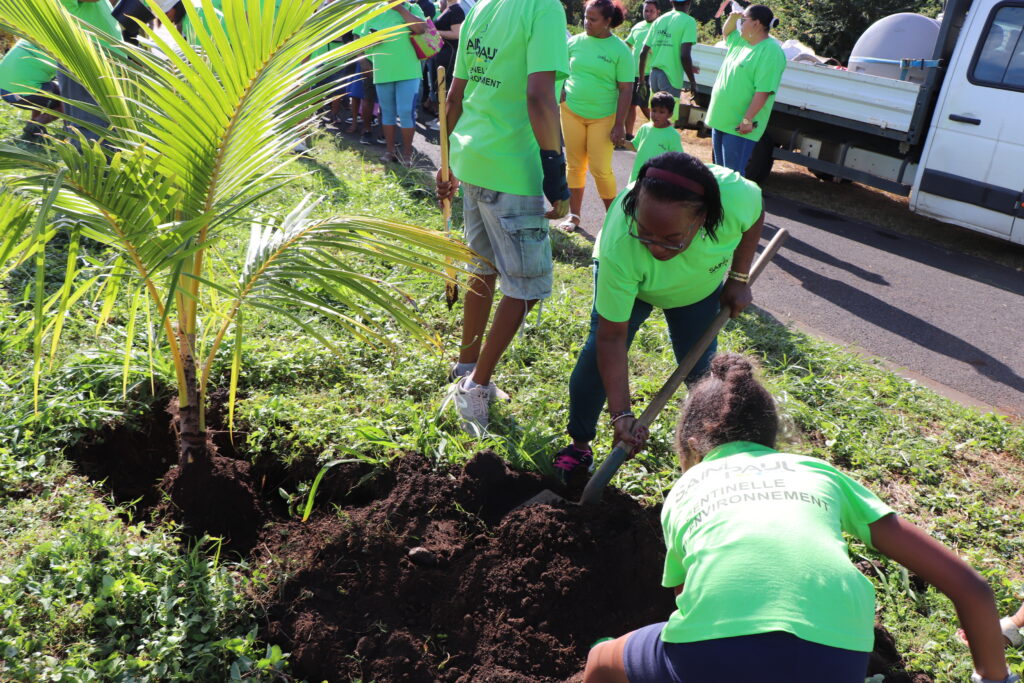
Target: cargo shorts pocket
{"points": [[529, 246]]}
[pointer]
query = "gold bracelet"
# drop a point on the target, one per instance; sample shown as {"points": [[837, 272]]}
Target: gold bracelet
{"points": [[738, 277]]}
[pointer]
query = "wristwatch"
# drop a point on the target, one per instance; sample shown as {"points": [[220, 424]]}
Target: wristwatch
{"points": [[746, 121], [1012, 678]]}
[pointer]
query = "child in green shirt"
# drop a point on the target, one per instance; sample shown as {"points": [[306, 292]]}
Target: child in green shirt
{"points": [[658, 135], [756, 556]]}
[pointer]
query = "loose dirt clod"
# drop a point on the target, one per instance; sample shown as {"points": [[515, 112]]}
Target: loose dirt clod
{"points": [[423, 557]]}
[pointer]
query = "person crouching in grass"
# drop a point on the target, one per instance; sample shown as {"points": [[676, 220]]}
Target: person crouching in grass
{"points": [[28, 79], [658, 135], [761, 571]]}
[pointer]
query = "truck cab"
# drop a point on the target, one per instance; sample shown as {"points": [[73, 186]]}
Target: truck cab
{"points": [[952, 138], [972, 166]]}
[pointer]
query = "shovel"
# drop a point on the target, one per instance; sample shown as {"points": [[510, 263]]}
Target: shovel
{"points": [[595, 487], [451, 289]]}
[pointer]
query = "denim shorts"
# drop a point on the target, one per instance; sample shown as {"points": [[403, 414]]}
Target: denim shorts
{"points": [[510, 232], [775, 657], [659, 83]]}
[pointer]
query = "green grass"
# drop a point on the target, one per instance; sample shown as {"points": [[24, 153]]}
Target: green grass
{"points": [[86, 594]]}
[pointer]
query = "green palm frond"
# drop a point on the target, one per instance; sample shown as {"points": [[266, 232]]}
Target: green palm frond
{"points": [[197, 134]]}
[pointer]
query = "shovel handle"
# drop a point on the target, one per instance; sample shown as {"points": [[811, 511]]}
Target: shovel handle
{"points": [[595, 487], [442, 119]]}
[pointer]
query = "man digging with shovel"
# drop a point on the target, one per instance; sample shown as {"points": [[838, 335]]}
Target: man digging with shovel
{"points": [[506, 150]]}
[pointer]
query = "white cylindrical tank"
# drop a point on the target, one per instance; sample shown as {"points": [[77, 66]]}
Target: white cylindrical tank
{"points": [[898, 36]]}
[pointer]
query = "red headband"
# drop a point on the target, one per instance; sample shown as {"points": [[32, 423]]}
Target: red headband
{"points": [[675, 179]]}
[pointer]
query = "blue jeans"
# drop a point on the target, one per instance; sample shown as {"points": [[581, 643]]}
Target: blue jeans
{"points": [[732, 151], [398, 102], [586, 389]]}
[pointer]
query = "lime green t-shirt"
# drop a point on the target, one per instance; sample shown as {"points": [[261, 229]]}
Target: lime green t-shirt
{"points": [[628, 271], [635, 40], [756, 539], [596, 67], [650, 142], [24, 68], [501, 43], [394, 59], [667, 34], [747, 69], [99, 15]]}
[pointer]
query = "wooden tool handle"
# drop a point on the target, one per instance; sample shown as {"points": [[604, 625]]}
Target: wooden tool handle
{"points": [[595, 487], [442, 118]]}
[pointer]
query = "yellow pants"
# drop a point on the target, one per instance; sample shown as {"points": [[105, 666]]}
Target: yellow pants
{"points": [[588, 140]]}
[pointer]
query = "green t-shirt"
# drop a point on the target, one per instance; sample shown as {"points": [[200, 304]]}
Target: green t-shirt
{"points": [[394, 59], [500, 44], [596, 67], [635, 41], [650, 142], [99, 15], [25, 67], [747, 69], [667, 34], [755, 537], [628, 271]]}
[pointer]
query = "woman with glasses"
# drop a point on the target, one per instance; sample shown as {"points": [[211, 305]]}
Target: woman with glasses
{"points": [[681, 238]]}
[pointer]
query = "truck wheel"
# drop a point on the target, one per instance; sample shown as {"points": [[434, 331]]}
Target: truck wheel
{"points": [[760, 165]]}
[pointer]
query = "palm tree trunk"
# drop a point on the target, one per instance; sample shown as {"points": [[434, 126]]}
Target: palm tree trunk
{"points": [[192, 440]]}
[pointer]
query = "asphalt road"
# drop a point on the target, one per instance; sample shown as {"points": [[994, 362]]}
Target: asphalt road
{"points": [[952, 322]]}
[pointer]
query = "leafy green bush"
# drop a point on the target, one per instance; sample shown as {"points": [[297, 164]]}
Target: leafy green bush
{"points": [[84, 597]]}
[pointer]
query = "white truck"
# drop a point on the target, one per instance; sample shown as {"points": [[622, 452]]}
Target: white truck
{"points": [[953, 142]]}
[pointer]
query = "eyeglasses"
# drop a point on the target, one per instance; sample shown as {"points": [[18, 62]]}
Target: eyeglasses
{"points": [[682, 246]]}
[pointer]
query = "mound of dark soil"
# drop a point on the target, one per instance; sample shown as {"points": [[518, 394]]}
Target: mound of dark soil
{"points": [[414, 573], [216, 497], [440, 579]]}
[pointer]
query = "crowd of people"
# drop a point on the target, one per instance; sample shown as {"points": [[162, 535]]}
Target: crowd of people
{"points": [[530, 110]]}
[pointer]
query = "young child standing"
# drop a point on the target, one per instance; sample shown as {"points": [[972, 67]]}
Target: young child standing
{"points": [[657, 136], [756, 555]]}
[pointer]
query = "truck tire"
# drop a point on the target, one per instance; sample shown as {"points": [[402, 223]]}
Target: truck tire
{"points": [[760, 165]]}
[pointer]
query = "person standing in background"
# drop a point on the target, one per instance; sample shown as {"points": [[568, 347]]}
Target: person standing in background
{"points": [[642, 85], [658, 135], [745, 88], [24, 72], [396, 75], [506, 150], [595, 103], [100, 15], [667, 51], [448, 24]]}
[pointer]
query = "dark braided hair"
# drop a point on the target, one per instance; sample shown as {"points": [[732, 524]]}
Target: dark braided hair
{"points": [[727, 405], [687, 166], [611, 10]]}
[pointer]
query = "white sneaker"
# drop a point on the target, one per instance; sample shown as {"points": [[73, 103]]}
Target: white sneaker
{"points": [[493, 392], [472, 405]]}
